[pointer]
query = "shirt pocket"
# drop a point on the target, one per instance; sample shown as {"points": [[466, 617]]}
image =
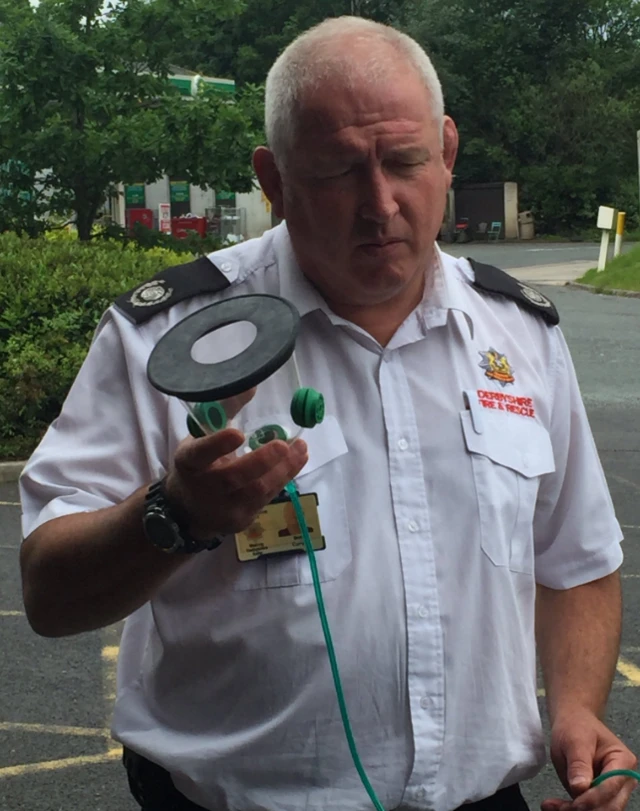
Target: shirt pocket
{"points": [[322, 475], [508, 457]]}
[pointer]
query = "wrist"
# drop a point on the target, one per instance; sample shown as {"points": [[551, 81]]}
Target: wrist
{"points": [[166, 524]]}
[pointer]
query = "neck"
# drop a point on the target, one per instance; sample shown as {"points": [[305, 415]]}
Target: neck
{"points": [[382, 320]]}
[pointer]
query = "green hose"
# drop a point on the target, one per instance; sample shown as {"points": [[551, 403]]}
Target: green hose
{"points": [[295, 500], [615, 773]]}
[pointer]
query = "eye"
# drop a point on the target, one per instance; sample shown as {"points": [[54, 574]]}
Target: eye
{"points": [[342, 172], [406, 166]]}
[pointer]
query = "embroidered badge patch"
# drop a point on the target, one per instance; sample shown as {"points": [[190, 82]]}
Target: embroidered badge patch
{"points": [[151, 293], [533, 296], [496, 366]]}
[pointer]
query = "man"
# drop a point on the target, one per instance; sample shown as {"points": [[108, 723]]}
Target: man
{"points": [[458, 486]]}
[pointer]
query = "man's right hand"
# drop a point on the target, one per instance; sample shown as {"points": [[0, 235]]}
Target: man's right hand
{"points": [[218, 492]]}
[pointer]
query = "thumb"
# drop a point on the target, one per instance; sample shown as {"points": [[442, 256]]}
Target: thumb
{"points": [[579, 771]]}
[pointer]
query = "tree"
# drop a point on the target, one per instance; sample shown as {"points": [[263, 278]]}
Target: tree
{"points": [[85, 101], [544, 93], [246, 45]]}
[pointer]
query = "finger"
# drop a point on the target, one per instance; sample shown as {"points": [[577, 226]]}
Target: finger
{"points": [[273, 461], [579, 771], [255, 494], [196, 455], [613, 793], [555, 804]]}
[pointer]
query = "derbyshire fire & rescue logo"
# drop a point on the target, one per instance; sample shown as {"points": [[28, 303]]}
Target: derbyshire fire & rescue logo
{"points": [[496, 366]]}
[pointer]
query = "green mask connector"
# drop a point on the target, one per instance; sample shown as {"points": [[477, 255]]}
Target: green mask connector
{"points": [[212, 415], [307, 408]]}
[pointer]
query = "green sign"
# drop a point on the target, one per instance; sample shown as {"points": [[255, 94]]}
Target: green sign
{"points": [[180, 191], [226, 198], [134, 194]]}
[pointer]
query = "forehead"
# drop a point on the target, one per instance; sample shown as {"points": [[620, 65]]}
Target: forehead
{"points": [[354, 111]]}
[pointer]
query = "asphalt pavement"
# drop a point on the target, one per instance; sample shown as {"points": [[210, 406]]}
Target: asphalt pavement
{"points": [[56, 695], [511, 255]]}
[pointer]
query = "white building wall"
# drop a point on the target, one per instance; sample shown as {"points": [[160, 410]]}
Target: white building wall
{"points": [[201, 200], [156, 193], [258, 212]]}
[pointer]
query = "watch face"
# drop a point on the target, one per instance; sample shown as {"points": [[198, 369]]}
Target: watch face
{"points": [[161, 531]]}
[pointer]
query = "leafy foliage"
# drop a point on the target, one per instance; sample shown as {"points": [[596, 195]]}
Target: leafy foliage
{"points": [[52, 294], [545, 94], [85, 102]]}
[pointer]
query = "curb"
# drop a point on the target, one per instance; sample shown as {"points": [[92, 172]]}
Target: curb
{"points": [[10, 471], [589, 288]]}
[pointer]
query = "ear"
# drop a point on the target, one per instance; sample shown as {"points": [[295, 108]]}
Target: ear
{"points": [[450, 142], [268, 174]]}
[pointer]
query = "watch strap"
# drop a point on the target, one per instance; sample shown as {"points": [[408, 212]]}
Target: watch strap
{"points": [[156, 499]]}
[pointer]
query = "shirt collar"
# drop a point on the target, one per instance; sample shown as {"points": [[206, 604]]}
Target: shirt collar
{"points": [[294, 285], [446, 291]]}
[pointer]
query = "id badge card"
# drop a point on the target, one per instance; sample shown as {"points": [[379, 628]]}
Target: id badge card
{"points": [[276, 531]]}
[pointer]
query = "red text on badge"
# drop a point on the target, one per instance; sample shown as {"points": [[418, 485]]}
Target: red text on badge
{"points": [[506, 402]]}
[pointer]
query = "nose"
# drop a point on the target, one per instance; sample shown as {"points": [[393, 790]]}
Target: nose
{"points": [[378, 200]]}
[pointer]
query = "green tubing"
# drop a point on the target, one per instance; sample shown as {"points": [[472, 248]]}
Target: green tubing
{"points": [[293, 493], [615, 773]]}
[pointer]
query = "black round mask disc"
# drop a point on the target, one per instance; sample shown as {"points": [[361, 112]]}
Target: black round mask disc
{"points": [[172, 370]]}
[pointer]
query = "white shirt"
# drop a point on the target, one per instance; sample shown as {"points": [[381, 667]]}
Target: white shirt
{"points": [[438, 518]]}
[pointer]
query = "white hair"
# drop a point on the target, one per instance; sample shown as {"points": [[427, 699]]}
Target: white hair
{"points": [[312, 58]]}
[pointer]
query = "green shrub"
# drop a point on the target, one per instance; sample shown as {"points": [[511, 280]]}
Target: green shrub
{"points": [[52, 294]]}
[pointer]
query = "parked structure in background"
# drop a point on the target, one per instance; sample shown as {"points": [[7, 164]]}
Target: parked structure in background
{"points": [[485, 211], [231, 216]]}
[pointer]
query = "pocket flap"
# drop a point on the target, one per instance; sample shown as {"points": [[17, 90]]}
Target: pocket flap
{"points": [[325, 442], [516, 442]]}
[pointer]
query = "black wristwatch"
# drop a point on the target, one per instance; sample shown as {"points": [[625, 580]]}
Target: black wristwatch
{"points": [[163, 527]]}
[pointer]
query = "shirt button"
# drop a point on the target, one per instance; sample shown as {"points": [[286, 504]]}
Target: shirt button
{"points": [[226, 267], [423, 611], [425, 702], [413, 527], [403, 444]]}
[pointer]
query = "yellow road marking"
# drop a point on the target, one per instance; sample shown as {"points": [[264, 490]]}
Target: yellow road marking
{"points": [[110, 653], [55, 729], [630, 526], [630, 671], [57, 765], [11, 613], [9, 503]]}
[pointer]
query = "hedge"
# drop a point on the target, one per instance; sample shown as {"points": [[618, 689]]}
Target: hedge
{"points": [[52, 294]]}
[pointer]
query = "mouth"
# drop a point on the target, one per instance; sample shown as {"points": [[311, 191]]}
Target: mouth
{"points": [[380, 243], [380, 247]]}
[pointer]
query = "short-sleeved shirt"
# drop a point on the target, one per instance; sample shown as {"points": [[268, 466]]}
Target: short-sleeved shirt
{"points": [[455, 469]]}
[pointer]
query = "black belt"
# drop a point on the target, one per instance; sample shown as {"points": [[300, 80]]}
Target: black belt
{"points": [[153, 788]]}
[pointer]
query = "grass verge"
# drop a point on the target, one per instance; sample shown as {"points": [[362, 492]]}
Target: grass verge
{"points": [[622, 273]]}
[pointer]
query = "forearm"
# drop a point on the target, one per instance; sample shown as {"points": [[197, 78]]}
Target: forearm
{"points": [[578, 636], [88, 570]]}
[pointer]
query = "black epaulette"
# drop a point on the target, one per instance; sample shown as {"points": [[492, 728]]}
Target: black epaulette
{"points": [[169, 287], [493, 280]]}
